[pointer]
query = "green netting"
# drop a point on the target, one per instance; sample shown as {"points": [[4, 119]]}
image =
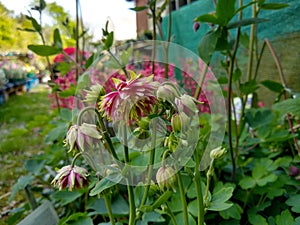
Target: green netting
{"points": [[282, 29]]}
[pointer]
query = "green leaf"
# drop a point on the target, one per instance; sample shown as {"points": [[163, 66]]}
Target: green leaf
{"points": [[285, 218], [34, 23], [34, 166], [273, 6], [26, 29], [42, 5], [106, 182], [152, 217], [234, 212], [259, 117], [293, 201], [65, 114], [193, 208], [256, 219], [76, 219], [236, 74], [272, 86], [65, 197], [68, 92], [139, 8], [208, 44], [57, 39], [109, 41], [291, 106], [180, 221], [219, 198], [247, 183], [245, 22], [89, 61], [63, 68], [225, 11], [267, 179], [119, 207], [207, 18], [44, 50], [57, 133], [249, 87], [22, 182]]}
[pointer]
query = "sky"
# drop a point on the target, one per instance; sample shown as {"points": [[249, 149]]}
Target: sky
{"points": [[95, 13]]}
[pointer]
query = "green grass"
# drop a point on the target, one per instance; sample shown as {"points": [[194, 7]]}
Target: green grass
{"points": [[24, 121]]}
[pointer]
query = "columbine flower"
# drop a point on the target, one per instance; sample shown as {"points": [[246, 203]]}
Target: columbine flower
{"points": [[132, 99], [82, 136], [166, 178], [71, 177]]}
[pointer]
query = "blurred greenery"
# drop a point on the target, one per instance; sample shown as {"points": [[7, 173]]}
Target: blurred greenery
{"points": [[24, 121]]}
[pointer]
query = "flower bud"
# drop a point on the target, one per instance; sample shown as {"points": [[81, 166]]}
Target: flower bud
{"points": [[176, 123], [166, 178], [144, 123], [293, 171], [187, 105], [196, 26], [217, 153], [167, 92]]}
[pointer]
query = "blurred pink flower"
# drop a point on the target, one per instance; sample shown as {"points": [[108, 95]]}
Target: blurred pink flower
{"points": [[131, 99]]}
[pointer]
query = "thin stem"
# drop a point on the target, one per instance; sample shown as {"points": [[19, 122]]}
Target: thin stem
{"points": [[183, 200], [109, 210], [251, 43], [150, 166], [284, 84], [229, 97], [77, 39], [171, 214], [197, 180], [153, 11], [119, 63], [208, 175], [132, 208], [200, 83]]}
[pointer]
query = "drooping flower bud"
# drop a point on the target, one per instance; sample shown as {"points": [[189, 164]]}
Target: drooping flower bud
{"points": [[180, 122], [196, 26], [71, 177], [166, 178], [187, 105], [82, 136], [293, 171], [167, 92], [217, 153]]}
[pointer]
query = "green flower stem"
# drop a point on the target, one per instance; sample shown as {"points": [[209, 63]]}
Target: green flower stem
{"points": [[108, 207], [75, 158], [153, 12], [183, 200], [132, 208], [197, 180], [108, 143], [120, 64], [150, 166], [200, 83], [171, 214], [208, 176]]}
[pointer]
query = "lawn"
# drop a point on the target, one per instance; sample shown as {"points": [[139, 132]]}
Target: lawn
{"points": [[24, 121]]}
